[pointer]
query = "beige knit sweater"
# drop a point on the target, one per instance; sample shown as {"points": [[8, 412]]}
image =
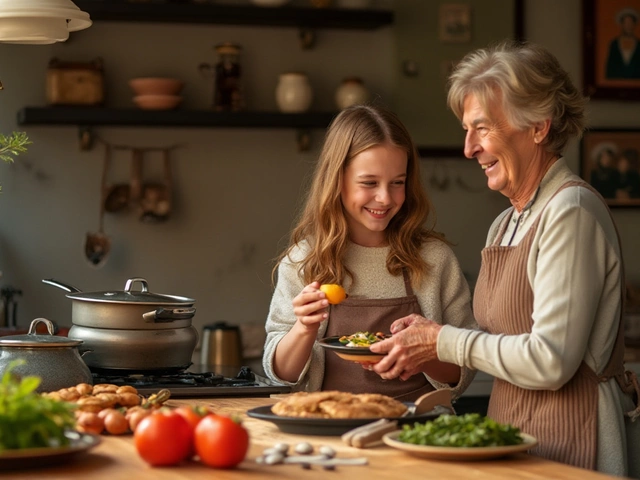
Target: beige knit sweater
{"points": [[443, 297]]}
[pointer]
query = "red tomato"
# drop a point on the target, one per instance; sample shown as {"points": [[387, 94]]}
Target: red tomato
{"points": [[221, 441], [163, 438], [193, 414]]}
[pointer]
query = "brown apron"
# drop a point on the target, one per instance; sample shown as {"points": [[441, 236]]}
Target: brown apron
{"points": [[563, 421], [372, 315]]}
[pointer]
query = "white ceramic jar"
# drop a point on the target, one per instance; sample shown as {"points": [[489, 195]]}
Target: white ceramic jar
{"points": [[351, 92], [293, 92]]}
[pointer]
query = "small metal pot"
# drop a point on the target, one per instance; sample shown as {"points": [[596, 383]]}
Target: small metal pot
{"points": [[56, 360]]}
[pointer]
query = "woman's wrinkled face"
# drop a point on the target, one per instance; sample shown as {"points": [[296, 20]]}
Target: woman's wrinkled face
{"points": [[503, 152], [373, 191]]}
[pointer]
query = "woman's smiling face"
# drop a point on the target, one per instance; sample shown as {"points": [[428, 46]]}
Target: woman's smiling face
{"points": [[504, 152], [373, 191]]}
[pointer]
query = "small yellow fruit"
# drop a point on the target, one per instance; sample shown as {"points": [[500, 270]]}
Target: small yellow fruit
{"points": [[335, 293]]}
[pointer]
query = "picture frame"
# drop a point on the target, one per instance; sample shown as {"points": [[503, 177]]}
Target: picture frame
{"points": [[454, 23], [610, 162], [425, 61], [611, 49]]}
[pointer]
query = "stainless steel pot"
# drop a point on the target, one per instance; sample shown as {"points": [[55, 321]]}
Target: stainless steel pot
{"points": [[56, 360], [133, 330], [128, 308], [141, 351]]}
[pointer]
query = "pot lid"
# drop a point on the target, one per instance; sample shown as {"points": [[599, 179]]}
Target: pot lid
{"points": [[33, 339], [128, 295]]}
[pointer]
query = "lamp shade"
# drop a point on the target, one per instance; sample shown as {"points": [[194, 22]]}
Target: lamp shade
{"points": [[40, 21]]}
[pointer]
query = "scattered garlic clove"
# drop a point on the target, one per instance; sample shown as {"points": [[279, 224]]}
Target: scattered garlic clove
{"points": [[304, 448], [274, 458], [282, 447], [327, 451]]}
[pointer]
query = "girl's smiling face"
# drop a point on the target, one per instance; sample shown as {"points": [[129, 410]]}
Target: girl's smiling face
{"points": [[373, 191]]}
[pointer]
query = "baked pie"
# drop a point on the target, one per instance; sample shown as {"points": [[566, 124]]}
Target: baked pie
{"points": [[335, 404]]}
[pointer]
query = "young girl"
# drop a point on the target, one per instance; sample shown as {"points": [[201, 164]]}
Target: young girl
{"points": [[364, 226]]}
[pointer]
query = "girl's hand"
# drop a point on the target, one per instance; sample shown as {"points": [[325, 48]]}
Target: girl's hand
{"points": [[410, 349], [310, 306]]}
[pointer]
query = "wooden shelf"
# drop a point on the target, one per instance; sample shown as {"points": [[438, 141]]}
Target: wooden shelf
{"points": [[96, 116], [187, 12]]}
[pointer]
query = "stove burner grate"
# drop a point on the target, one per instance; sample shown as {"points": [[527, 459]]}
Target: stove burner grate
{"points": [[245, 377]]}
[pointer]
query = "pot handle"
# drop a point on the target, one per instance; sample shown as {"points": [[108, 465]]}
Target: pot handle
{"points": [[162, 315], [131, 281], [63, 286], [51, 327]]}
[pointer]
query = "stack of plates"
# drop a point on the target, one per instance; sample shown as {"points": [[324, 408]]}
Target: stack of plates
{"points": [[156, 93]]}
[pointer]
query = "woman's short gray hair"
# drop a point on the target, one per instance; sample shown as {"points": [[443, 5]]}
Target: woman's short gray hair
{"points": [[530, 82]]}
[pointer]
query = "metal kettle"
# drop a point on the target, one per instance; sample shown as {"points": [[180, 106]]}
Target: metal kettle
{"points": [[221, 345]]}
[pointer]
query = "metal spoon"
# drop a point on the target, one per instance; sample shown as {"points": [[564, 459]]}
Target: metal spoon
{"points": [[97, 245], [156, 197]]}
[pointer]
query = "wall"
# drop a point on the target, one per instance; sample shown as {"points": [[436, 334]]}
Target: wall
{"points": [[558, 26], [237, 190]]}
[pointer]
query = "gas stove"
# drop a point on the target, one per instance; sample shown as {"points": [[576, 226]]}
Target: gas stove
{"points": [[186, 384]]}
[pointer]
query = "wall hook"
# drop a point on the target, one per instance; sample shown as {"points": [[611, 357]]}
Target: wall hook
{"points": [[85, 138], [307, 37], [304, 140]]}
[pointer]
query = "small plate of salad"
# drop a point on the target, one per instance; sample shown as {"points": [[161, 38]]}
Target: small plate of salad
{"points": [[355, 347]]}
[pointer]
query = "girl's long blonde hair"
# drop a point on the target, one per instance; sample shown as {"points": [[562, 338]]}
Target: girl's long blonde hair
{"points": [[322, 222]]}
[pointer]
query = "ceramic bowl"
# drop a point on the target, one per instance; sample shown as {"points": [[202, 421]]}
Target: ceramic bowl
{"points": [[157, 102], [156, 86], [270, 3]]}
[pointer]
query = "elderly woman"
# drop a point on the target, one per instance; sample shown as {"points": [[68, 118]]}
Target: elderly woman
{"points": [[549, 295]]}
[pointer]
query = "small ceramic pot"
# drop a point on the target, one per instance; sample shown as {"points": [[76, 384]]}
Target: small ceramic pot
{"points": [[270, 3], [54, 359], [293, 93], [351, 92], [361, 4]]}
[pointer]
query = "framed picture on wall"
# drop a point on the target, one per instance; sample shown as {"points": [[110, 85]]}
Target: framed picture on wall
{"points": [[611, 164], [454, 23], [611, 48]]}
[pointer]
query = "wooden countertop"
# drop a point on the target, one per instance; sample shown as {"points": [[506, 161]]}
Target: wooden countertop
{"points": [[116, 458]]}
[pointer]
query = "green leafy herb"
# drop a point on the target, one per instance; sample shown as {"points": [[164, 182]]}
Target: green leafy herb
{"points": [[14, 144], [28, 419], [469, 430]]}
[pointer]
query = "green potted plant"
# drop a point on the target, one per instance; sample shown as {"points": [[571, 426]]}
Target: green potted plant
{"points": [[13, 145]]}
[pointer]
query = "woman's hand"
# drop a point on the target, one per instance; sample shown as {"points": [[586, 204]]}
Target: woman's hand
{"points": [[410, 350], [310, 307]]}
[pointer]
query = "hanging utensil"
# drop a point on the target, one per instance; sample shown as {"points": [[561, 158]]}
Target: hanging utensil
{"points": [[116, 197], [97, 244], [135, 185], [156, 197]]}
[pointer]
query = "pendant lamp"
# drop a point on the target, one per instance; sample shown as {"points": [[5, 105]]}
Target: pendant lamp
{"points": [[40, 21]]}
